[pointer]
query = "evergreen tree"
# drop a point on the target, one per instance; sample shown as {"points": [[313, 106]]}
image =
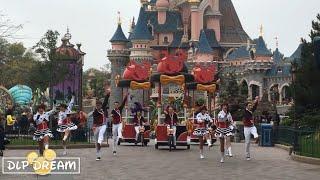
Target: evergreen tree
{"points": [[306, 85], [229, 92]]}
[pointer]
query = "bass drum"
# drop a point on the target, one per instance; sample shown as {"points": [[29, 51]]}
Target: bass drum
{"points": [[5, 99]]}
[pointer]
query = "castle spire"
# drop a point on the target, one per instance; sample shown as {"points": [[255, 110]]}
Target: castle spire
{"points": [[261, 31], [119, 18]]}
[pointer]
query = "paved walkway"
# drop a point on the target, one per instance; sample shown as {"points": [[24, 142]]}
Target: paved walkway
{"points": [[147, 163]]}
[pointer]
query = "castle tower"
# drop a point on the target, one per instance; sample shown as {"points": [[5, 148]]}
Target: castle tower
{"points": [[119, 57], [195, 25], [140, 39], [162, 7], [140, 50]]}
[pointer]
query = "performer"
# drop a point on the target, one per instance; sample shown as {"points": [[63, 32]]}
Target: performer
{"points": [[171, 120], [43, 133], [223, 129], [65, 125], [203, 119], [116, 114], [138, 120], [99, 124], [249, 128]]}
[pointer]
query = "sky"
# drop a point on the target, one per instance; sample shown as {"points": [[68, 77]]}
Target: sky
{"points": [[93, 22]]}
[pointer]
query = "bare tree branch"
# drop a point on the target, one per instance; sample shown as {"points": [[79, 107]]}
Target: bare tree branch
{"points": [[7, 28]]}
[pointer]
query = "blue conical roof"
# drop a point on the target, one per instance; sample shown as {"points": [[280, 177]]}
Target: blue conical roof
{"points": [[297, 52], [119, 35], [277, 56], [204, 46], [261, 48], [141, 31], [211, 36]]}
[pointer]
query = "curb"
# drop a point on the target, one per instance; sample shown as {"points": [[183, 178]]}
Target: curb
{"points": [[70, 146], [305, 159], [284, 147]]}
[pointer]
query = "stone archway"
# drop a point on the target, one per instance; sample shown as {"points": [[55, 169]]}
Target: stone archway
{"points": [[274, 94], [244, 88], [255, 89], [285, 94]]}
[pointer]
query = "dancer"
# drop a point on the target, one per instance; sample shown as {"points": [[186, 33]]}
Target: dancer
{"points": [[171, 120], [43, 133], [65, 125], [249, 128], [116, 115], [223, 130], [138, 120], [203, 119], [99, 124]]}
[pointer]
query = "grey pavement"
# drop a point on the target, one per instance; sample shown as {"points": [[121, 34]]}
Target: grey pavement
{"points": [[148, 163]]}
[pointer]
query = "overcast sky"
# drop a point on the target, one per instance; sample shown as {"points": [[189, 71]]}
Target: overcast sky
{"points": [[93, 22]]}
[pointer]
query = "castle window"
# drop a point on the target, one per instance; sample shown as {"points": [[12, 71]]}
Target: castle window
{"points": [[165, 40]]}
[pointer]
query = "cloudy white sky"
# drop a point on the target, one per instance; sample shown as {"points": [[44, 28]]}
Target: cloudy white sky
{"points": [[93, 22]]}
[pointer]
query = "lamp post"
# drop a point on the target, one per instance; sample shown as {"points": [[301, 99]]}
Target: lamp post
{"points": [[293, 79]]}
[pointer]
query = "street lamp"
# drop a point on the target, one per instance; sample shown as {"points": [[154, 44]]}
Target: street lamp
{"points": [[293, 79]]}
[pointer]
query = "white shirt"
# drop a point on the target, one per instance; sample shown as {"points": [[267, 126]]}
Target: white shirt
{"points": [[203, 117], [42, 117], [63, 114], [224, 117]]}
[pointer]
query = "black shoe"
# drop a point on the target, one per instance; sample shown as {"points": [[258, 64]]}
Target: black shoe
{"points": [[114, 153], [98, 158], [1, 153]]}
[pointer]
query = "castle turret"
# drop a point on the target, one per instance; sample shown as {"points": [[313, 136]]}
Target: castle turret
{"points": [[162, 7], [140, 39], [195, 26], [119, 57]]}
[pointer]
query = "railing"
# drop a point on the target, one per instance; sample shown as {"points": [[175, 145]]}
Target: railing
{"points": [[79, 136], [306, 142]]}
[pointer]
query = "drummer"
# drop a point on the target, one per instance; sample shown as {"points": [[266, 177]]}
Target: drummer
{"points": [[138, 120], [171, 119]]}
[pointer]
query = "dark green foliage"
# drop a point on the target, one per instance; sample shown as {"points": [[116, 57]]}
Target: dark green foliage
{"points": [[306, 86], [230, 93]]}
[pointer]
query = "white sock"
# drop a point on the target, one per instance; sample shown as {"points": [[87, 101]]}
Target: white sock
{"points": [[201, 151], [229, 149], [46, 146], [208, 141]]}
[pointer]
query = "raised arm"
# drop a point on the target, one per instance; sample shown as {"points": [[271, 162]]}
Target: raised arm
{"points": [[105, 102], [71, 103]]}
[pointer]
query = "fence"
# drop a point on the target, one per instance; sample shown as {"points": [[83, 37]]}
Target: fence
{"points": [[306, 142]]}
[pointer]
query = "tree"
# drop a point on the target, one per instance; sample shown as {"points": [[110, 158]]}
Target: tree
{"points": [[17, 66], [99, 80], [306, 85], [315, 28], [266, 109], [231, 93]]}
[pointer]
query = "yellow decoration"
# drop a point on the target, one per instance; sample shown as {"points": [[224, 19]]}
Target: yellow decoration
{"points": [[136, 85], [31, 156], [10, 120], [49, 154], [209, 88], [41, 166], [180, 79]]}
